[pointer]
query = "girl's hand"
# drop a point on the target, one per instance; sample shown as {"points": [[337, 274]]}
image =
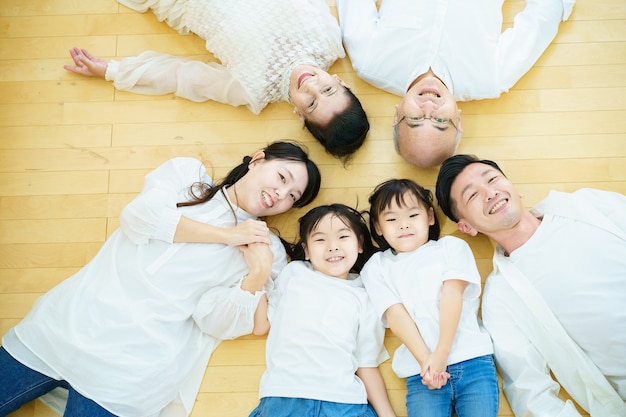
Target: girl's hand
{"points": [[259, 259], [434, 373], [250, 231], [86, 64]]}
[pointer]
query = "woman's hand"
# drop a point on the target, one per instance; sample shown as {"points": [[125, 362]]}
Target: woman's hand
{"points": [[87, 64], [250, 231], [259, 259]]}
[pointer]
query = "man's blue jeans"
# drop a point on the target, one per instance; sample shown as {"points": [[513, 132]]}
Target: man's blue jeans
{"points": [[471, 391], [19, 385]]}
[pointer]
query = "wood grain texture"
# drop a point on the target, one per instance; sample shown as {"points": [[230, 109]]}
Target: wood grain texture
{"points": [[73, 151]]}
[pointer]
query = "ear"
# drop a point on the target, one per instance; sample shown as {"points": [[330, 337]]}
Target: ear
{"points": [[395, 116], [377, 228], [431, 216], [306, 252], [258, 156], [466, 228], [299, 114], [342, 82], [459, 124]]}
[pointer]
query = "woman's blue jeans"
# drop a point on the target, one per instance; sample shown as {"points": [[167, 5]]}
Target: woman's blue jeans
{"points": [[19, 385], [303, 407], [471, 391]]}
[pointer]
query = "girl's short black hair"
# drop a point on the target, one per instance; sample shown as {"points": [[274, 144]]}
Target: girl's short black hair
{"points": [[395, 190]]}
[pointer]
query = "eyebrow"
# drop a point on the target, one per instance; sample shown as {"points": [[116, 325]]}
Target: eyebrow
{"points": [[482, 174], [421, 123]]}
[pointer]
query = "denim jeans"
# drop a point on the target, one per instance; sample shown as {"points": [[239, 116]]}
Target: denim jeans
{"points": [[302, 407], [19, 385], [471, 391]]}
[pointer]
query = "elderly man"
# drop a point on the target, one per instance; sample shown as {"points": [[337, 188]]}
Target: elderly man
{"points": [[556, 299], [434, 52]]}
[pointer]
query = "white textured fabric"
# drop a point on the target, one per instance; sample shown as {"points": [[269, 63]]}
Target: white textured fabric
{"points": [[323, 329], [575, 266], [125, 331], [462, 41], [258, 43], [414, 279]]}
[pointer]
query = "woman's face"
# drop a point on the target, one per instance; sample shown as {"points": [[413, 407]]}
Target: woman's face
{"points": [[270, 187], [317, 95]]}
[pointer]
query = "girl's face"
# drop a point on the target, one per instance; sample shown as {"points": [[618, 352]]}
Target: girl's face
{"points": [[405, 227], [270, 187], [332, 247], [317, 95]]}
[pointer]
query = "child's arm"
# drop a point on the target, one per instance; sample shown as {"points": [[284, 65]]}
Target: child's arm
{"points": [[403, 326], [376, 391], [450, 305], [261, 321]]}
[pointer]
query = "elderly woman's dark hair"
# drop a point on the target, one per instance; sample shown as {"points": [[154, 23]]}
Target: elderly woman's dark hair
{"points": [[450, 169], [345, 133]]}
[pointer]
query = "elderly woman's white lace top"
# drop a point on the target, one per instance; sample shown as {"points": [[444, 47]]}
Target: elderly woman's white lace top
{"points": [[257, 42]]}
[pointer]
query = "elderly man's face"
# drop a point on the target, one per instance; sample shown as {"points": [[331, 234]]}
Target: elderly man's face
{"points": [[428, 123]]}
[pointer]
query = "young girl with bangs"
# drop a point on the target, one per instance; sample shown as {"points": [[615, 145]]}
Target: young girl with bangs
{"points": [[325, 342], [427, 289]]}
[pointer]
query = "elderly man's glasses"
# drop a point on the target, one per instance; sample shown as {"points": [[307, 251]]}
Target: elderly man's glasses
{"points": [[437, 121]]}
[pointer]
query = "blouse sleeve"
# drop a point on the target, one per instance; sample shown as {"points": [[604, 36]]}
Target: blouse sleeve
{"points": [[155, 73], [153, 213], [228, 312]]}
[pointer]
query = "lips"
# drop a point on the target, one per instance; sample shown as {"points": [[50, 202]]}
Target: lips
{"points": [[498, 206], [334, 259], [302, 77], [267, 200], [430, 93]]}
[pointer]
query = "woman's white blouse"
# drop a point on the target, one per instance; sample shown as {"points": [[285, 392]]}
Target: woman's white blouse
{"points": [[134, 329]]}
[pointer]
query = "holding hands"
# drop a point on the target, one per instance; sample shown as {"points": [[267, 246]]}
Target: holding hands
{"points": [[434, 373]]}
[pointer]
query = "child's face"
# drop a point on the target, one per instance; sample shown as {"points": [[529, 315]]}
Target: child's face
{"points": [[332, 247], [405, 228]]}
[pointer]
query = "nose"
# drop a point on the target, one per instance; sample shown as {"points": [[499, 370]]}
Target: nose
{"points": [[491, 194], [428, 105], [281, 192]]}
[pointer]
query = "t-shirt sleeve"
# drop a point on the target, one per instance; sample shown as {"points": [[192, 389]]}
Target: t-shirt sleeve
{"points": [[460, 264], [378, 286]]}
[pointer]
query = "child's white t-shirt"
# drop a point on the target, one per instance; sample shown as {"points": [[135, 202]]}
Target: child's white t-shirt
{"points": [[415, 280], [323, 329]]}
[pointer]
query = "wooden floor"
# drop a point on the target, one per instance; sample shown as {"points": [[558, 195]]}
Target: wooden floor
{"points": [[73, 151]]}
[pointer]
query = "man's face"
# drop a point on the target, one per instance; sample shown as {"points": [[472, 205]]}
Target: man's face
{"points": [[485, 201], [427, 142]]}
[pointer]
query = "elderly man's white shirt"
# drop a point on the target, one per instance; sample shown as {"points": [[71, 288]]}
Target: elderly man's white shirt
{"points": [[462, 41], [575, 265]]}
